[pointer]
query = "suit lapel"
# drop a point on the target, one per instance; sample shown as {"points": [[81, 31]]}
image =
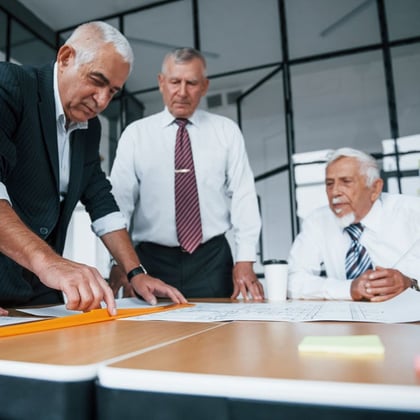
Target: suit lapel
{"points": [[46, 107]]}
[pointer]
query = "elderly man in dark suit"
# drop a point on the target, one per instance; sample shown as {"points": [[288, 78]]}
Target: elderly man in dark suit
{"points": [[49, 160]]}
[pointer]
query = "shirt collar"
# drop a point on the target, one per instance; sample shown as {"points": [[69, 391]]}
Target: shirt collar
{"points": [[373, 219], [168, 118], [59, 111]]}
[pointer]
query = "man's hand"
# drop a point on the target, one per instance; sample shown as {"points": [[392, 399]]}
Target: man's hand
{"points": [[144, 286], [83, 285], [379, 285], [245, 282], [150, 288], [3, 312]]}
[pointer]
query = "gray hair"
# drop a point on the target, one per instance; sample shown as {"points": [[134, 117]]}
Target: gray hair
{"points": [[184, 55], [368, 165], [89, 37]]}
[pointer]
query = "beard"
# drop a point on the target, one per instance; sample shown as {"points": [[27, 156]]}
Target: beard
{"points": [[346, 220], [343, 221]]}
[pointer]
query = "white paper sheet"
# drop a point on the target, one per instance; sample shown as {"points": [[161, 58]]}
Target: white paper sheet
{"points": [[403, 308], [60, 310], [10, 320]]}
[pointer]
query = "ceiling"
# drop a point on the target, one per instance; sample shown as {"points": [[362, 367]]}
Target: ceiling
{"points": [[62, 14]]}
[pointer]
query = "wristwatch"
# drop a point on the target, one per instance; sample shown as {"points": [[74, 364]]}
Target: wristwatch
{"points": [[135, 271], [415, 285]]}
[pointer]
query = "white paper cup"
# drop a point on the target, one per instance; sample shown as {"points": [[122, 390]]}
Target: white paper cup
{"points": [[275, 274]]}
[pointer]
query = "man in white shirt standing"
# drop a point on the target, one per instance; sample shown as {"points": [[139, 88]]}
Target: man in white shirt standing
{"points": [[144, 175], [388, 246]]}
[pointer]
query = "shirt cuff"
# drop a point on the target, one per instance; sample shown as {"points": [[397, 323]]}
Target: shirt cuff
{"points": [[337, 289], [246, 252], [3, 193], [109, 223]]}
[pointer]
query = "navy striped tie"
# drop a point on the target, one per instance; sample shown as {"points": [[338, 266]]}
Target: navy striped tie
{"points": [[187, 208], [357, 258]]}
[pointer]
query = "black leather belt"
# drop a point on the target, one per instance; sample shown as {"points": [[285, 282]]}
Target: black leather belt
{"points": [[180, 248]]}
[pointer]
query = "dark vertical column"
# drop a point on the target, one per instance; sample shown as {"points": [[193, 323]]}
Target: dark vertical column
{"points": [[196, 25], [390, 88], [288, 110]]}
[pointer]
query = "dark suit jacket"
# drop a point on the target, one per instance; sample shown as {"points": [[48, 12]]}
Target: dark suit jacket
{"points": [[29, 167]]}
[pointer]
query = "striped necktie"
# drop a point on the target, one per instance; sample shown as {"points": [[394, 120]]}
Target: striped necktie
{"points": [[357, 257], [187, 208]]}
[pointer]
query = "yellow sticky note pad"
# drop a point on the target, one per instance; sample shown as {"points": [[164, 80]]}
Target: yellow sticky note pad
{"points": [[347, 344]]}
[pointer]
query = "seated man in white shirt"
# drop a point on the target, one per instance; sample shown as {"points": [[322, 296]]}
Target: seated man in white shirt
{"points": [[387, 247]]}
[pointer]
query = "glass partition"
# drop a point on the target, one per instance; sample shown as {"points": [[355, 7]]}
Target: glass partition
{"points": [[406, 68], [403, 18], [263, 125], [150, 42], [26, 48], [133, 109], [233, 43], [340, 102], [276, 233], [316, 27]]}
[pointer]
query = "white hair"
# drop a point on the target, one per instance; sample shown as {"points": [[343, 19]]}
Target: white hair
{"points": [[368, 165], [184, 55], [89, 37]]}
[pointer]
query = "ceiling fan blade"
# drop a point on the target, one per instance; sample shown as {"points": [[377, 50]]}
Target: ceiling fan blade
{"points": [[168, 46], [358, 9]]}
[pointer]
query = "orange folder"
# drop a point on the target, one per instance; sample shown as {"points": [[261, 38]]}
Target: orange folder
{"points": [[96, 315]]}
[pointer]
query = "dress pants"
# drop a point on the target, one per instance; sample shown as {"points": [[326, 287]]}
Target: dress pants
{"points": [[205, 273], [41, 294]]}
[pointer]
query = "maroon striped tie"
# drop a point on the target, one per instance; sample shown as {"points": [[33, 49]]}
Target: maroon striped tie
{"points": [[187, 208]]}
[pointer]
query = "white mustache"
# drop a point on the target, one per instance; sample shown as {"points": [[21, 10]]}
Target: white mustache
{"points": [[336, 200]]}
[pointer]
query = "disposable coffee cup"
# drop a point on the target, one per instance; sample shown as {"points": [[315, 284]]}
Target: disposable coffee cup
{"points": [[275, 274]]}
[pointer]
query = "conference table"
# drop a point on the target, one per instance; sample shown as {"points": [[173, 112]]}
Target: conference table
{"points": [[216, 370], [253, 370], [52, 374]]}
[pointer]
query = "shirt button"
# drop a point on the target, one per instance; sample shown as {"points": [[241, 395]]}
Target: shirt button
{"points": [[43, 230]]}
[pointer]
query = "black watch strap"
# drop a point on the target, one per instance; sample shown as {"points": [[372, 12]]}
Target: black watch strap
{"points": [[415, 285], [135, 271]]}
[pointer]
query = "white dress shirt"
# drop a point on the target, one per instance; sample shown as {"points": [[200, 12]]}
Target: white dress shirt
{"points": [[143, 180], [391, 237], [63, 139]]}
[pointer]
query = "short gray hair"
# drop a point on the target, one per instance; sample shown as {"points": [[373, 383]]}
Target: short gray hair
{"points": [[368, 165], [184, 55], [89, 37]]}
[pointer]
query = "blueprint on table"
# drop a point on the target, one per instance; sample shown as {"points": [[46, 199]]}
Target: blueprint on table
{"points": [[403, 308]]}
